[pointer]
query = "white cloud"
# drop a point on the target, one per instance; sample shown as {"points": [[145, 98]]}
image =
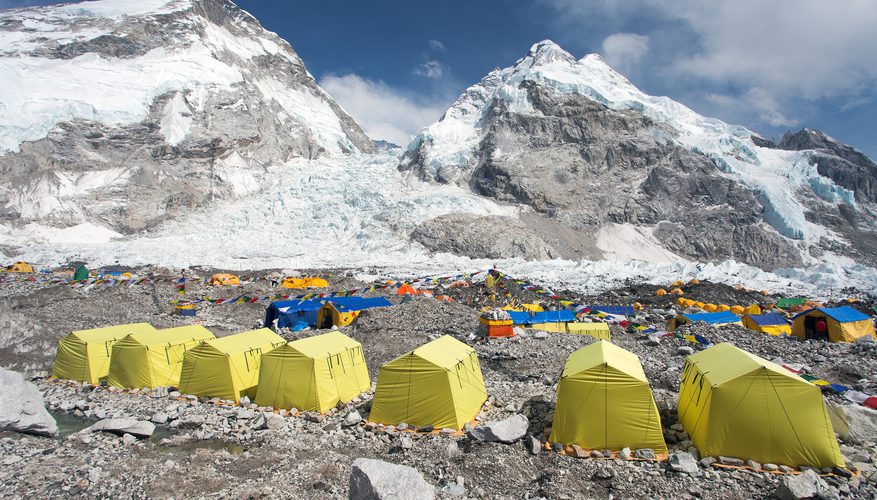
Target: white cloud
{"points": [[436, 45], [430, 69], [623, 50], [384, 112], [769, 56]]}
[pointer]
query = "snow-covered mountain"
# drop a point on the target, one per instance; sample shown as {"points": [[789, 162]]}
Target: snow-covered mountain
{"points": [[124, 113], [629, 173]]}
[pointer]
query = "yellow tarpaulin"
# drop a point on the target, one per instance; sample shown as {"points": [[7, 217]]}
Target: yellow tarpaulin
{"points": [[313, 374], [153, 359], [735, 404], [604, 402], [309, 282], [84, 355], [437, 384], [227, 368]]}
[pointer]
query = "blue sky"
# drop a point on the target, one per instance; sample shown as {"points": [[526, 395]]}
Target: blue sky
{"points": [[397, 65]]}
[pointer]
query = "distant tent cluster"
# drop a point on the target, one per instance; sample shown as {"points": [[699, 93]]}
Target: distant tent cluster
{"points": [[562, 321], [19, 267]]}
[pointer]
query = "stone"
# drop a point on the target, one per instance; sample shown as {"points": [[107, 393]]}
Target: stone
{"points": [[735, 462], [770, 467], [406, 443], [540, 335], [403, 426], [452, 451], [447, 431], [378, 480], [579, 452], [192, 421], [605, 472], [159, 418], [425, 428], [805, 485], [128, 439], [625, 454], [331, 426], [684, 462], [352, 418], [684, 350], [22, 408], [245, 401], [533, 445], [707, 461], [854, 423], [752, 464], [852, 454], [504, 431], [596, 454], [645, 454], [785, 469], [122, 426]]}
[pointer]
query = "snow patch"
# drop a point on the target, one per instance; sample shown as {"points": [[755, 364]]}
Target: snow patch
{"points": [[176, 120], [629, 242]]}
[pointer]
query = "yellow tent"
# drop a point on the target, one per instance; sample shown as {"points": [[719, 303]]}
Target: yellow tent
{"points": [[524, 307], [84, 355], [309, 282], [227, 368], [771, 324], [596, 330], [604, 402], [844, 324], [20, 267], [223, 279], [153, 359], [329, 316], [313, 374], [437, 384], [735, 404], [753, 309]]}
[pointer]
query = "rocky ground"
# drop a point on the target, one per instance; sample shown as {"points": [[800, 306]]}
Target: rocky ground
{"points": [[213, 448]]}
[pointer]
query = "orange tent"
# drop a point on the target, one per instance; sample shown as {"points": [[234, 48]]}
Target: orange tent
{"points": [[406, 289]]}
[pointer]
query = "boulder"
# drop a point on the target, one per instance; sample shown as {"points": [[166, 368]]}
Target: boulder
{"points": [[645, 454], [684, 462], [854, 423], [352, 418], [503, 431], [22, 408], [805, 485], [122, 426], [378, 480], [533, 445]]}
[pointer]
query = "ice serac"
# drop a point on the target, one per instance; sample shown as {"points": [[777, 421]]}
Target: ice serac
{"points": [[581, 145], [124, 114]]}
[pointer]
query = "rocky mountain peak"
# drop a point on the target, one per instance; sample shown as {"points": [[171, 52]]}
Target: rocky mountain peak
{"points": [[545, 52]]}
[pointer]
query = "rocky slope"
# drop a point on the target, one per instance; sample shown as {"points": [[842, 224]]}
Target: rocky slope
{"points": [[125, 115], [579, 144]]}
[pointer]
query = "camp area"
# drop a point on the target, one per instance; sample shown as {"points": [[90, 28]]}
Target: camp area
{"points": [[604, 402], [153, 358], [439, 384], [769, 323], [736, 404], [84, 355], [714, 318], [835, 324], [313, 374], [228, 367], [319, 313]]}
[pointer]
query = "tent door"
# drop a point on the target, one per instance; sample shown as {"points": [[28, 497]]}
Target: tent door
{"points": [[326, 322], [810, 328]]}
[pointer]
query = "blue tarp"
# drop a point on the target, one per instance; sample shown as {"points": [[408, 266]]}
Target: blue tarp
{"points": [[529, 318], [768, 319], [713, 318], [616, 310], [292, 313], [842, 314], [289, 312]]}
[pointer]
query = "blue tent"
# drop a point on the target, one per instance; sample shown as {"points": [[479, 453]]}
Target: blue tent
{"points": [[299, 314], [529, 318], [714, 318], [616, 310], [768, 319], [842, 314]]}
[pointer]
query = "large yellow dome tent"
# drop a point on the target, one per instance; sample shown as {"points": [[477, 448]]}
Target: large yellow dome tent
{"points": [[437, 384], [224, 279], [84, 355], [604, 402], [153, 359], [20, 267], [736, 404], [844, 324], [313, 374], [308, 282], [228, 367]]}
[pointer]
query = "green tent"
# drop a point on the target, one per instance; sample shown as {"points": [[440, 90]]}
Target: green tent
{"points": [[790, 302], [81, 273]]}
